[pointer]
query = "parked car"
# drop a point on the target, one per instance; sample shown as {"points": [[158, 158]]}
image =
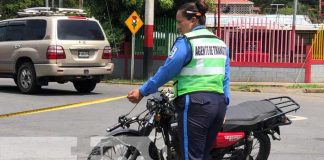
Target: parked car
{"points": [[36, 50]]}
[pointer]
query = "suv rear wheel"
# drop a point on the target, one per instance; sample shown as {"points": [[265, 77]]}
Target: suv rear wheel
{"points": [[26, 78], [85, 86]]}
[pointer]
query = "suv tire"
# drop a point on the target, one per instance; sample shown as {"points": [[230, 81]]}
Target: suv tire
{"points": [[85, 86], [26, 78]]}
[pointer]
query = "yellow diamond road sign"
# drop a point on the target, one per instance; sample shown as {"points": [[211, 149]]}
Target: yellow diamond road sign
{"points": [[134, 22]]}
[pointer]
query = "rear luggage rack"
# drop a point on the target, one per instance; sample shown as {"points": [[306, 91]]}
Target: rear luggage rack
{"points": [[48, 11], [284, 104]]}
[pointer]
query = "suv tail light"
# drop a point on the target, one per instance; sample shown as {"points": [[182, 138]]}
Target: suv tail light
{"points": [[107, 53], [55, 52]]}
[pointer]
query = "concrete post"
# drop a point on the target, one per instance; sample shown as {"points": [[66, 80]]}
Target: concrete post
{"points": [[148, 39]]}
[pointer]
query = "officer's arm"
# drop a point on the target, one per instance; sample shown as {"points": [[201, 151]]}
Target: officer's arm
{"points": [[226, 87], [172, 67]]}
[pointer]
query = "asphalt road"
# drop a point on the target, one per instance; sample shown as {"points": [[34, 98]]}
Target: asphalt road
{"points": [[69, 132]]}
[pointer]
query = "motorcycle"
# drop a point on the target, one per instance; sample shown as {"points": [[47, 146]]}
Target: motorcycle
{"points": [[244, 135]]}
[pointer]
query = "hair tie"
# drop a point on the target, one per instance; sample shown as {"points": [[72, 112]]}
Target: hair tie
{"points": [[198, 14]]}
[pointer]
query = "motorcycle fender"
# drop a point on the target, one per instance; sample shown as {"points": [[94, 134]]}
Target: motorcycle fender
{"points": [[109, 139], [126, 130]]}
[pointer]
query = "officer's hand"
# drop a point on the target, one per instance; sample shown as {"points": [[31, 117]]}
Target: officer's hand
{"points": [[134, 96]]}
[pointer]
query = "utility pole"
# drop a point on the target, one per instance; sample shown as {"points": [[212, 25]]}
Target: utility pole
{"points": [[219, 12], [46, 3], [148, 39], [81, 4], [60, 3]]}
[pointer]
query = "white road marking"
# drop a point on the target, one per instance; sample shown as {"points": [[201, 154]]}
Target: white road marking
{"points": [[296, 118]]}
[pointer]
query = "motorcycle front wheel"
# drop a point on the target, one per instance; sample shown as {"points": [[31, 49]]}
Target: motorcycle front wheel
{"points": [[120, 151]]}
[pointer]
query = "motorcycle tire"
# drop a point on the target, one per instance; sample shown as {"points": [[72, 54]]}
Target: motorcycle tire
{"points": [[258, 149], [107, 152], [261, 142]]}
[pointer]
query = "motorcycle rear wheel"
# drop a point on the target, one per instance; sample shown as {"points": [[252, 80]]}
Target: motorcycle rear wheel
{"points": [[260, 148], [257, 149]]}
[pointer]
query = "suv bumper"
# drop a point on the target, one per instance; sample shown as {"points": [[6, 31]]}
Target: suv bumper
{"points": [[43, 70]]}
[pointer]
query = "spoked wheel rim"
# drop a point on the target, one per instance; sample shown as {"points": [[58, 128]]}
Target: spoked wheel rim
{"points": [[118, 152], [26, 78], [255, 149]]}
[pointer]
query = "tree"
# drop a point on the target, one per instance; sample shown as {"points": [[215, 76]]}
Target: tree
{"points": [[286, 10], [113, 13], [9, 8]]}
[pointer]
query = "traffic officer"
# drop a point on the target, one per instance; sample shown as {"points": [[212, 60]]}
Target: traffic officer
{"points": [[199, 66]]}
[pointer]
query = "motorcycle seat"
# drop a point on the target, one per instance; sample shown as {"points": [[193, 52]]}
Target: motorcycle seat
{"points": [[247, 115]]}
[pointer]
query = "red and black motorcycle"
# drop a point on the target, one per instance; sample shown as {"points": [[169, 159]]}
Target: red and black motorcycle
{"points": [[245, 133]]}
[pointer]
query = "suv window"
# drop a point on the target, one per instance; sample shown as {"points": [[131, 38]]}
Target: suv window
{"points": [[35, 29], [2, 32], [15, 30], [79, 30], [26, 30]]}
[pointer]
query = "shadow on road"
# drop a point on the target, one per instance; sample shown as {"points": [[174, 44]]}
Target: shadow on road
{"points": [[43, 91]]}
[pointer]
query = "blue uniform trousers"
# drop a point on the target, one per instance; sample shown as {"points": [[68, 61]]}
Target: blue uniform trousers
{"points": [[200, 118]]}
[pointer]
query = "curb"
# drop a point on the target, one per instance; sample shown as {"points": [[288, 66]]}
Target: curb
{"points": [[313, 90], [251, 87]]}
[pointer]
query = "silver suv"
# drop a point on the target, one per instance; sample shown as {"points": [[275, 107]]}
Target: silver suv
{"points": [[42, 49]]}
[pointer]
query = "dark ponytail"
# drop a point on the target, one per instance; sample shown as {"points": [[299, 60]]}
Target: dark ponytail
{"points": [[197, 10]]}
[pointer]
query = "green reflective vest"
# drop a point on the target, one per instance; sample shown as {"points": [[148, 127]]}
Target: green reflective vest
{"points": [[206, 70]]}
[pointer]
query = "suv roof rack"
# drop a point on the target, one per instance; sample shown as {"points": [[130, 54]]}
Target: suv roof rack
{"points": [[48, 11]]}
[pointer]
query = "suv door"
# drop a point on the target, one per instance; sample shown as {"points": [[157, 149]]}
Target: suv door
{"points": [[3, 46], [14, 34], [34, 45], [83, 41]]}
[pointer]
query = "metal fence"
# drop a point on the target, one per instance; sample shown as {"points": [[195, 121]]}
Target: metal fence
{"points": [[250, 40], [262, 41], [164, 35], [318, 45]]}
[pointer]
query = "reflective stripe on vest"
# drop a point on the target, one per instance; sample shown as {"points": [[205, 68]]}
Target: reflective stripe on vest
{"points": [[206, 70]]}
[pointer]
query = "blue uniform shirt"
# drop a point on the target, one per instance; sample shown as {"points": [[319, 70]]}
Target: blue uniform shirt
{"points": [[178, 57]]}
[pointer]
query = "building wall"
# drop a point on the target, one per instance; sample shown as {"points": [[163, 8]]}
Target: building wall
{"points": [[238, 74], [317, 74], [265, 74], [119, 69]]}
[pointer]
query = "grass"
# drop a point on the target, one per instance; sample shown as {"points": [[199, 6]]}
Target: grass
{"points": [[246, 88], [234, 87], [135, 81], [296, 86], [126, 81]]}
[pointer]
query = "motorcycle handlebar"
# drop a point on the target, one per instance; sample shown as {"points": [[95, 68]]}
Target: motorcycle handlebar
{"points": [[114, 127]]}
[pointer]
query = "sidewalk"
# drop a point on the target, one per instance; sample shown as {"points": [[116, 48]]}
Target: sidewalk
{"points": [[273, 87]]}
